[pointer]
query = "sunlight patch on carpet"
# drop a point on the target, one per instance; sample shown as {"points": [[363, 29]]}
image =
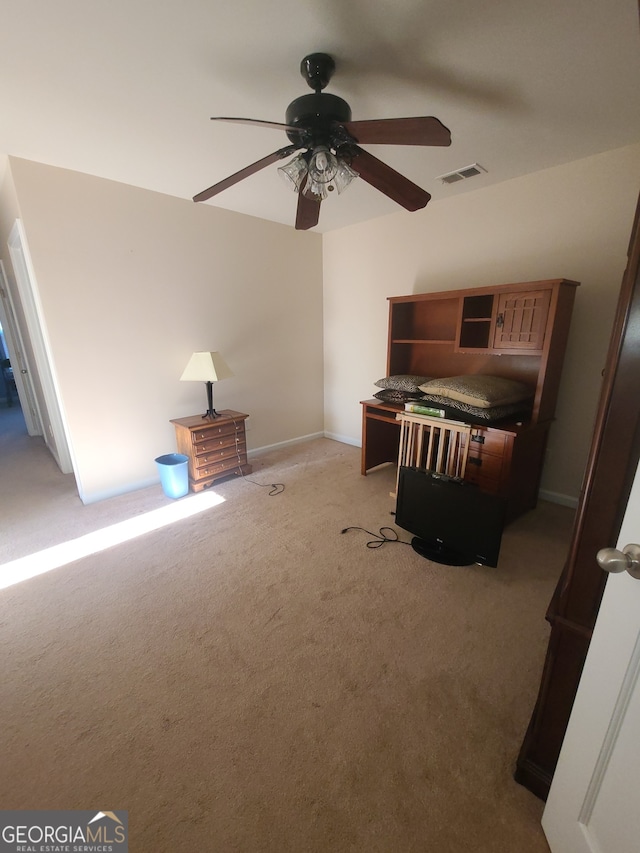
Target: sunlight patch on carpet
{"points": [[91, 543]]}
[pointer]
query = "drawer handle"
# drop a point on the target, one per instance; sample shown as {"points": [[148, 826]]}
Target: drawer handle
{"points": [[474, 460], [478, 439]]}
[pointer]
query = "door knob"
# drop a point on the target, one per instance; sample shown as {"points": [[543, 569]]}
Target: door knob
{"points": [[614, 561]]}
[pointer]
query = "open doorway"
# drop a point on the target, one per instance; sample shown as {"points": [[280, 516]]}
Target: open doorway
{"points": [[35, 381], [13, 427], [7, 380], [16, 385], [12, 420], [14, 430]]}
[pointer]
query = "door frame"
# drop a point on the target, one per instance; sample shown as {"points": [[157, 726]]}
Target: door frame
{"points": [[612, 462], [54, 431], [18, 358]]}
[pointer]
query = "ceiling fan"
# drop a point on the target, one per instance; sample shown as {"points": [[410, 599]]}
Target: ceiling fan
{"points": [[331, 158]]}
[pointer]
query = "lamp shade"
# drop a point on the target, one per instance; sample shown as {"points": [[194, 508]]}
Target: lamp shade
{"points": [[206, 367]]}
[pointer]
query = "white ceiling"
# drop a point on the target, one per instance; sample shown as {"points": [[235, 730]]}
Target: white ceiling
{"points": [[124, 89]]}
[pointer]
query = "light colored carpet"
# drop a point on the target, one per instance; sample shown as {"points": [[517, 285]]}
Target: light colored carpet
{"points": [[250, 679]]}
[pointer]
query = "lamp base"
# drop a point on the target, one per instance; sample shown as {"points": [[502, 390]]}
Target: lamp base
{"points": [[211, 412]]}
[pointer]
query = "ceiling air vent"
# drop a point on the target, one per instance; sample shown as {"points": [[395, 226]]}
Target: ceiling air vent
{"points": [[461, 174]]}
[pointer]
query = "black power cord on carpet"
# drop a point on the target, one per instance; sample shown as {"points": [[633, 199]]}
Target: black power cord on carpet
{"points": [[276, 488], [380, 538]]}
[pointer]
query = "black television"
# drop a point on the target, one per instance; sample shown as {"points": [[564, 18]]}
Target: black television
{"points": [[453, 522]]}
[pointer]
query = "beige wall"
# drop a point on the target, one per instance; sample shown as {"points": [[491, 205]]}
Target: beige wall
{"points": [[572, 221], [132, 282], [9, 210]]}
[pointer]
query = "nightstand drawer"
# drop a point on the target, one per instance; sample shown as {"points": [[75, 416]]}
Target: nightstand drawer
{"points": [[231, 452], [211, 433], [219, 468], [211, 445]]}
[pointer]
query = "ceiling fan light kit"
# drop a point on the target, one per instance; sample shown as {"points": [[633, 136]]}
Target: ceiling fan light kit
{"points": [[317, 173], [294, 172], [321, 124]]}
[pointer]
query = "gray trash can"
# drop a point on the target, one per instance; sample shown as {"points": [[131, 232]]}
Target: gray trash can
{"points": [[174, 474]]}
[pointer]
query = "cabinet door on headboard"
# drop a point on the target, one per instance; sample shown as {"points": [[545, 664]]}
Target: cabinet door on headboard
{"points": [[521, 320]]}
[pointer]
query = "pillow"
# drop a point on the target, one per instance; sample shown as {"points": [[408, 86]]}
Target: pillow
{"points": [[389, 395], [402, 382], [457, 411], [479, 390]]}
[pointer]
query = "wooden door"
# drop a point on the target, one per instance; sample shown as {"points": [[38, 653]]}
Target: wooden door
{"points": [[612, 462], [592, 803]]}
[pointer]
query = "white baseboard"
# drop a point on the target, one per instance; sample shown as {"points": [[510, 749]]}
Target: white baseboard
{"points": [[552, 497], [557, 498], [95, 497], [345, 439], [106, 494], [543, 494], [267, 447]]}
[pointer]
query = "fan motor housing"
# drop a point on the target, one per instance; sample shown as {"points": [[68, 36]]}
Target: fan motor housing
{"points": [[316, 113]]}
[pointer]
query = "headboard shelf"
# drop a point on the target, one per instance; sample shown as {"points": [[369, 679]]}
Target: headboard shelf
{"points": [[518, 331]]}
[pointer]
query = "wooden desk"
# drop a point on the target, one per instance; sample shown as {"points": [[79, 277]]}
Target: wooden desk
{"points": [[216, 447], [380, 434], [503, 460]]}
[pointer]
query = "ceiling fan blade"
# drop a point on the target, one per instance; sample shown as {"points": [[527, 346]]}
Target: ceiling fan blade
{"points": [[308, 212], [388, 181], [275, 124], [423, 130], [244, 173]]}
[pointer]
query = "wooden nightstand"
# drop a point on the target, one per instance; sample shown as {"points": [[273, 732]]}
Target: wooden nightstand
{"points": [[216, 447]]}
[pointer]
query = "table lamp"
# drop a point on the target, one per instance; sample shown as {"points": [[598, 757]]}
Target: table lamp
{"points": [[207, 367]]}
